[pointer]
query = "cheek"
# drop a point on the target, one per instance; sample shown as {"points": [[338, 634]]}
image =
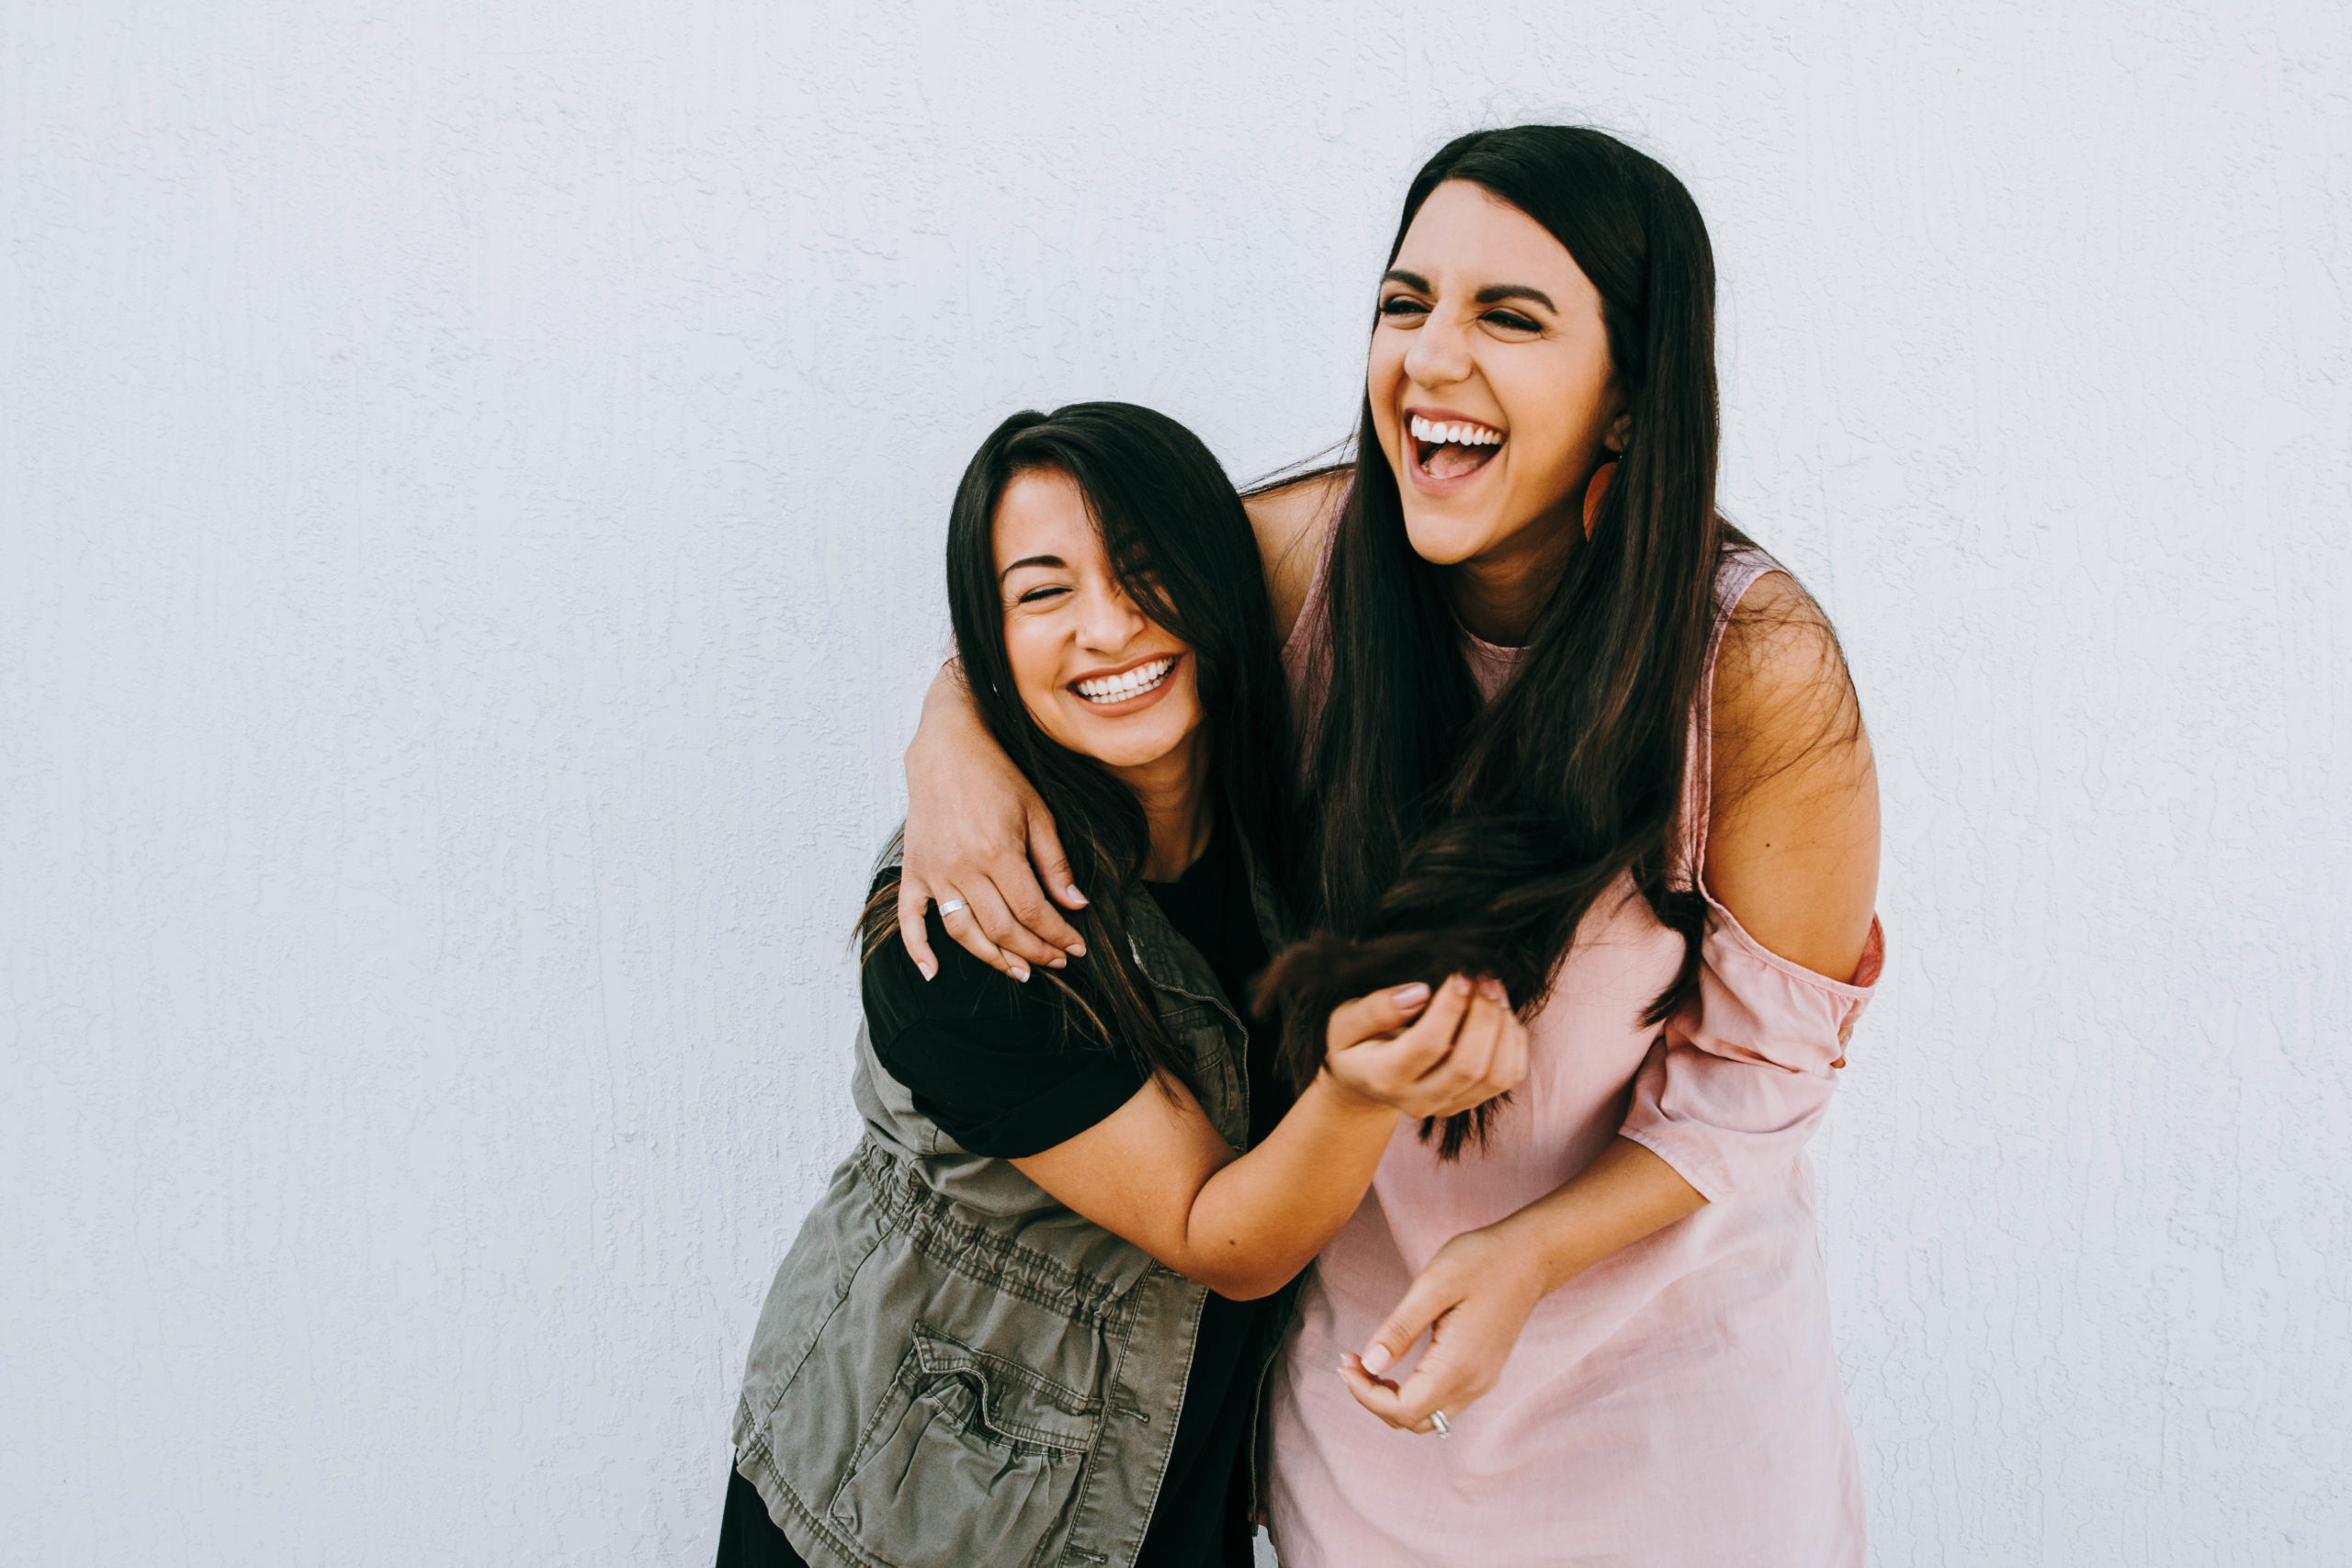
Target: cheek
{"points": [[1382, 373], [1035, 656], [1552, 410], [1189, 699]]}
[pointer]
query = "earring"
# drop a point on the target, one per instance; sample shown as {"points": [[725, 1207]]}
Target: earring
{"points": [[1597, 488]]}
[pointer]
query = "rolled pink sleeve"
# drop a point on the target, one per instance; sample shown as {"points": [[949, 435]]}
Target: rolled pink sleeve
{"points": [[1740, 1076]]}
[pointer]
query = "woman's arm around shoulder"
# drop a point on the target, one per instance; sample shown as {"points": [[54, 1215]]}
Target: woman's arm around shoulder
{"points": [[1291, 521], [977, 840]]}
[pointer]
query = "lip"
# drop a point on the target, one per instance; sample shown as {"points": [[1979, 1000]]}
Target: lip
{"points": [[1424, 481], [1136, 704]]}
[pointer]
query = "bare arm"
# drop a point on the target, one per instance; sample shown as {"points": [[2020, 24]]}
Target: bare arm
{"points": [[1291, 524], [1157, 1172], [975, 830], [1792, 853], [1793, 850]]}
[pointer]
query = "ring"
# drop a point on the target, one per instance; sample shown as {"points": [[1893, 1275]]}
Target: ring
{"points": [[1437, 1420], [953, 907]]}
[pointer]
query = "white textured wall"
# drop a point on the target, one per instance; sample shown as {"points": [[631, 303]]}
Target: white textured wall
{"points": [[471, 478]]}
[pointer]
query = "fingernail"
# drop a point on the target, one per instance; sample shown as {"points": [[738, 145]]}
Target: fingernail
{"points": [[1410, 996], [1057, 962], [1075, 897], [1078, 950], [1492, 988], [1460, 984], [1375, 1359], [928, 968], [1019, 972]]}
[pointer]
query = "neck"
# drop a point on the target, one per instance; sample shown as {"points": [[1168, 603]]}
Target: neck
{"points": [[1173, 792], [1497, 596]]}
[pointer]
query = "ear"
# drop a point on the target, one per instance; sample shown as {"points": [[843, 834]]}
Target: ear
{"points": [[1620, 430]]}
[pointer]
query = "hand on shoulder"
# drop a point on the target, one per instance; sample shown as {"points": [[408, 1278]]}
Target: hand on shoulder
{"points": [[1794, 843]]}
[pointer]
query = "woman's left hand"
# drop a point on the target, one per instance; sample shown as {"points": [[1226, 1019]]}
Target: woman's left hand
{"points": [[1472, 1300]]}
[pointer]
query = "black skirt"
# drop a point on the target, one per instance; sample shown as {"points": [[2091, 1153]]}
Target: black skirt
{"points": [[748, 1539], [747, 1536]]}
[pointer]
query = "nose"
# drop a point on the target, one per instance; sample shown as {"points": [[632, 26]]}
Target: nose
{"points": [[1439, 355], [1108, 620]]}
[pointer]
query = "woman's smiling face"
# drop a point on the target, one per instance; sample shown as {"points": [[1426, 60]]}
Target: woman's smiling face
{"points": [[1095, 673], [1492, 390]]}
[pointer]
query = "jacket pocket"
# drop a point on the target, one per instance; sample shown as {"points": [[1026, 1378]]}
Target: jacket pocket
{"points": [[967, 1459]]}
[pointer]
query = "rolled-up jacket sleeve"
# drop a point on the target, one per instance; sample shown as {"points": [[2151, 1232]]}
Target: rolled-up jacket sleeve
{"points": [[1739, 1077]]}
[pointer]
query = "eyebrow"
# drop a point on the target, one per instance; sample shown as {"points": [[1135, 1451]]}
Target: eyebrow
{"points": [[1030, 560], [1493, 294]]}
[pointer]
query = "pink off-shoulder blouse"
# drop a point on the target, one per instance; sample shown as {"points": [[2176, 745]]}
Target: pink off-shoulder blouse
{"points": [[1677, 1405]]}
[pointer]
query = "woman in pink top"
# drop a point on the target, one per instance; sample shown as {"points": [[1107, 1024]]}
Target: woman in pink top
{"points": [[1568, 726]]}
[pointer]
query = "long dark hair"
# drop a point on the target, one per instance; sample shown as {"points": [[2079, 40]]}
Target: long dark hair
{"points": [[1456, 835], [1181, 548]]}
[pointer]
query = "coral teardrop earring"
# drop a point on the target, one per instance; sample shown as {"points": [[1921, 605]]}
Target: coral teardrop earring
{"points": [[1595, 490]]}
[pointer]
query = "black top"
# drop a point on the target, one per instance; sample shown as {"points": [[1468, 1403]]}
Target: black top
{"points": [[990, 1060]]}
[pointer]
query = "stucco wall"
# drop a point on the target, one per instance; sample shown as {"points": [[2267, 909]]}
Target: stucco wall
{"points": [[471, 478]]}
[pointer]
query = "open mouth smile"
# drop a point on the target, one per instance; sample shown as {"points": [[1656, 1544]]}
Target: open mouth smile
{"points": [[1445, 451], [1118, 688]]}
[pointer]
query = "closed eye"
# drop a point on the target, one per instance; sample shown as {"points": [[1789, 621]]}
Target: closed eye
{"points": [[1037, 595], [1397, 305], [1512, 320]]}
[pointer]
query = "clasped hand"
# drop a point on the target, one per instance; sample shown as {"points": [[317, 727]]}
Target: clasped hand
{"points": [[1424, 1054]]}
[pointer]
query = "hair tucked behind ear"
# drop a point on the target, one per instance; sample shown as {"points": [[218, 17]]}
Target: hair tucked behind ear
{"points": [[1456, 835]]}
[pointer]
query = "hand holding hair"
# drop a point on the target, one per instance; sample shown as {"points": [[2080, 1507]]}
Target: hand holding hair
{"points": [[1307, 980], [1465, 1048]]}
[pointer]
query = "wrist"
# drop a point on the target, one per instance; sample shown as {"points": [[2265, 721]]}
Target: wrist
{"points": [[1536, 1252], [1349, 1101]]}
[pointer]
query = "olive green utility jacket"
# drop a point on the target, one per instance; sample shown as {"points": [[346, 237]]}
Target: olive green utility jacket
{"points": [[953, 1368]]}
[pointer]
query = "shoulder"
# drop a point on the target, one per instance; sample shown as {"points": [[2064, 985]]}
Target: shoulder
{"points": [[1291, 520], [1793, 843], [897, 997], [1781, 675]]}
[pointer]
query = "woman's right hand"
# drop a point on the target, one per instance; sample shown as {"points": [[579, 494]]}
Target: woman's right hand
{"points": [[974, 826], [1466, 1047]]}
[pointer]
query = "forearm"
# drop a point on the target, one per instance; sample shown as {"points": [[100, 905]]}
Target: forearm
{"points": [[1626, 1194], [947, 710], [1262, 1218]]}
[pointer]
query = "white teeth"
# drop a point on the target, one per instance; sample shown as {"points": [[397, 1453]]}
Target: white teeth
{"points": [[1455, 434], [1118, 688]]}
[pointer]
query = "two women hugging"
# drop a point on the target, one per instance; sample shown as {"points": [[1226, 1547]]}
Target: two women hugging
{"points": [[1477, 842]]}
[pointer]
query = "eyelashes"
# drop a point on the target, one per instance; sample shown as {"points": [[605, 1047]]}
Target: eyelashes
{"points": [[1400, 307]]}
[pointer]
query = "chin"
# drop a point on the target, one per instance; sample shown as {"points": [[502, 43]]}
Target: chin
{"points": [[1126, 743], [1131, 752], [1446, 542]]}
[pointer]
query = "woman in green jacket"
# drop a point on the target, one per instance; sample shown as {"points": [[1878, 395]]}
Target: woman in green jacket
{"points": [[1027, 1322]]}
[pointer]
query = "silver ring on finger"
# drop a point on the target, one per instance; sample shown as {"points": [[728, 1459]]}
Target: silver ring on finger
{"points": [[951, 907], [1437, 1419]]}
